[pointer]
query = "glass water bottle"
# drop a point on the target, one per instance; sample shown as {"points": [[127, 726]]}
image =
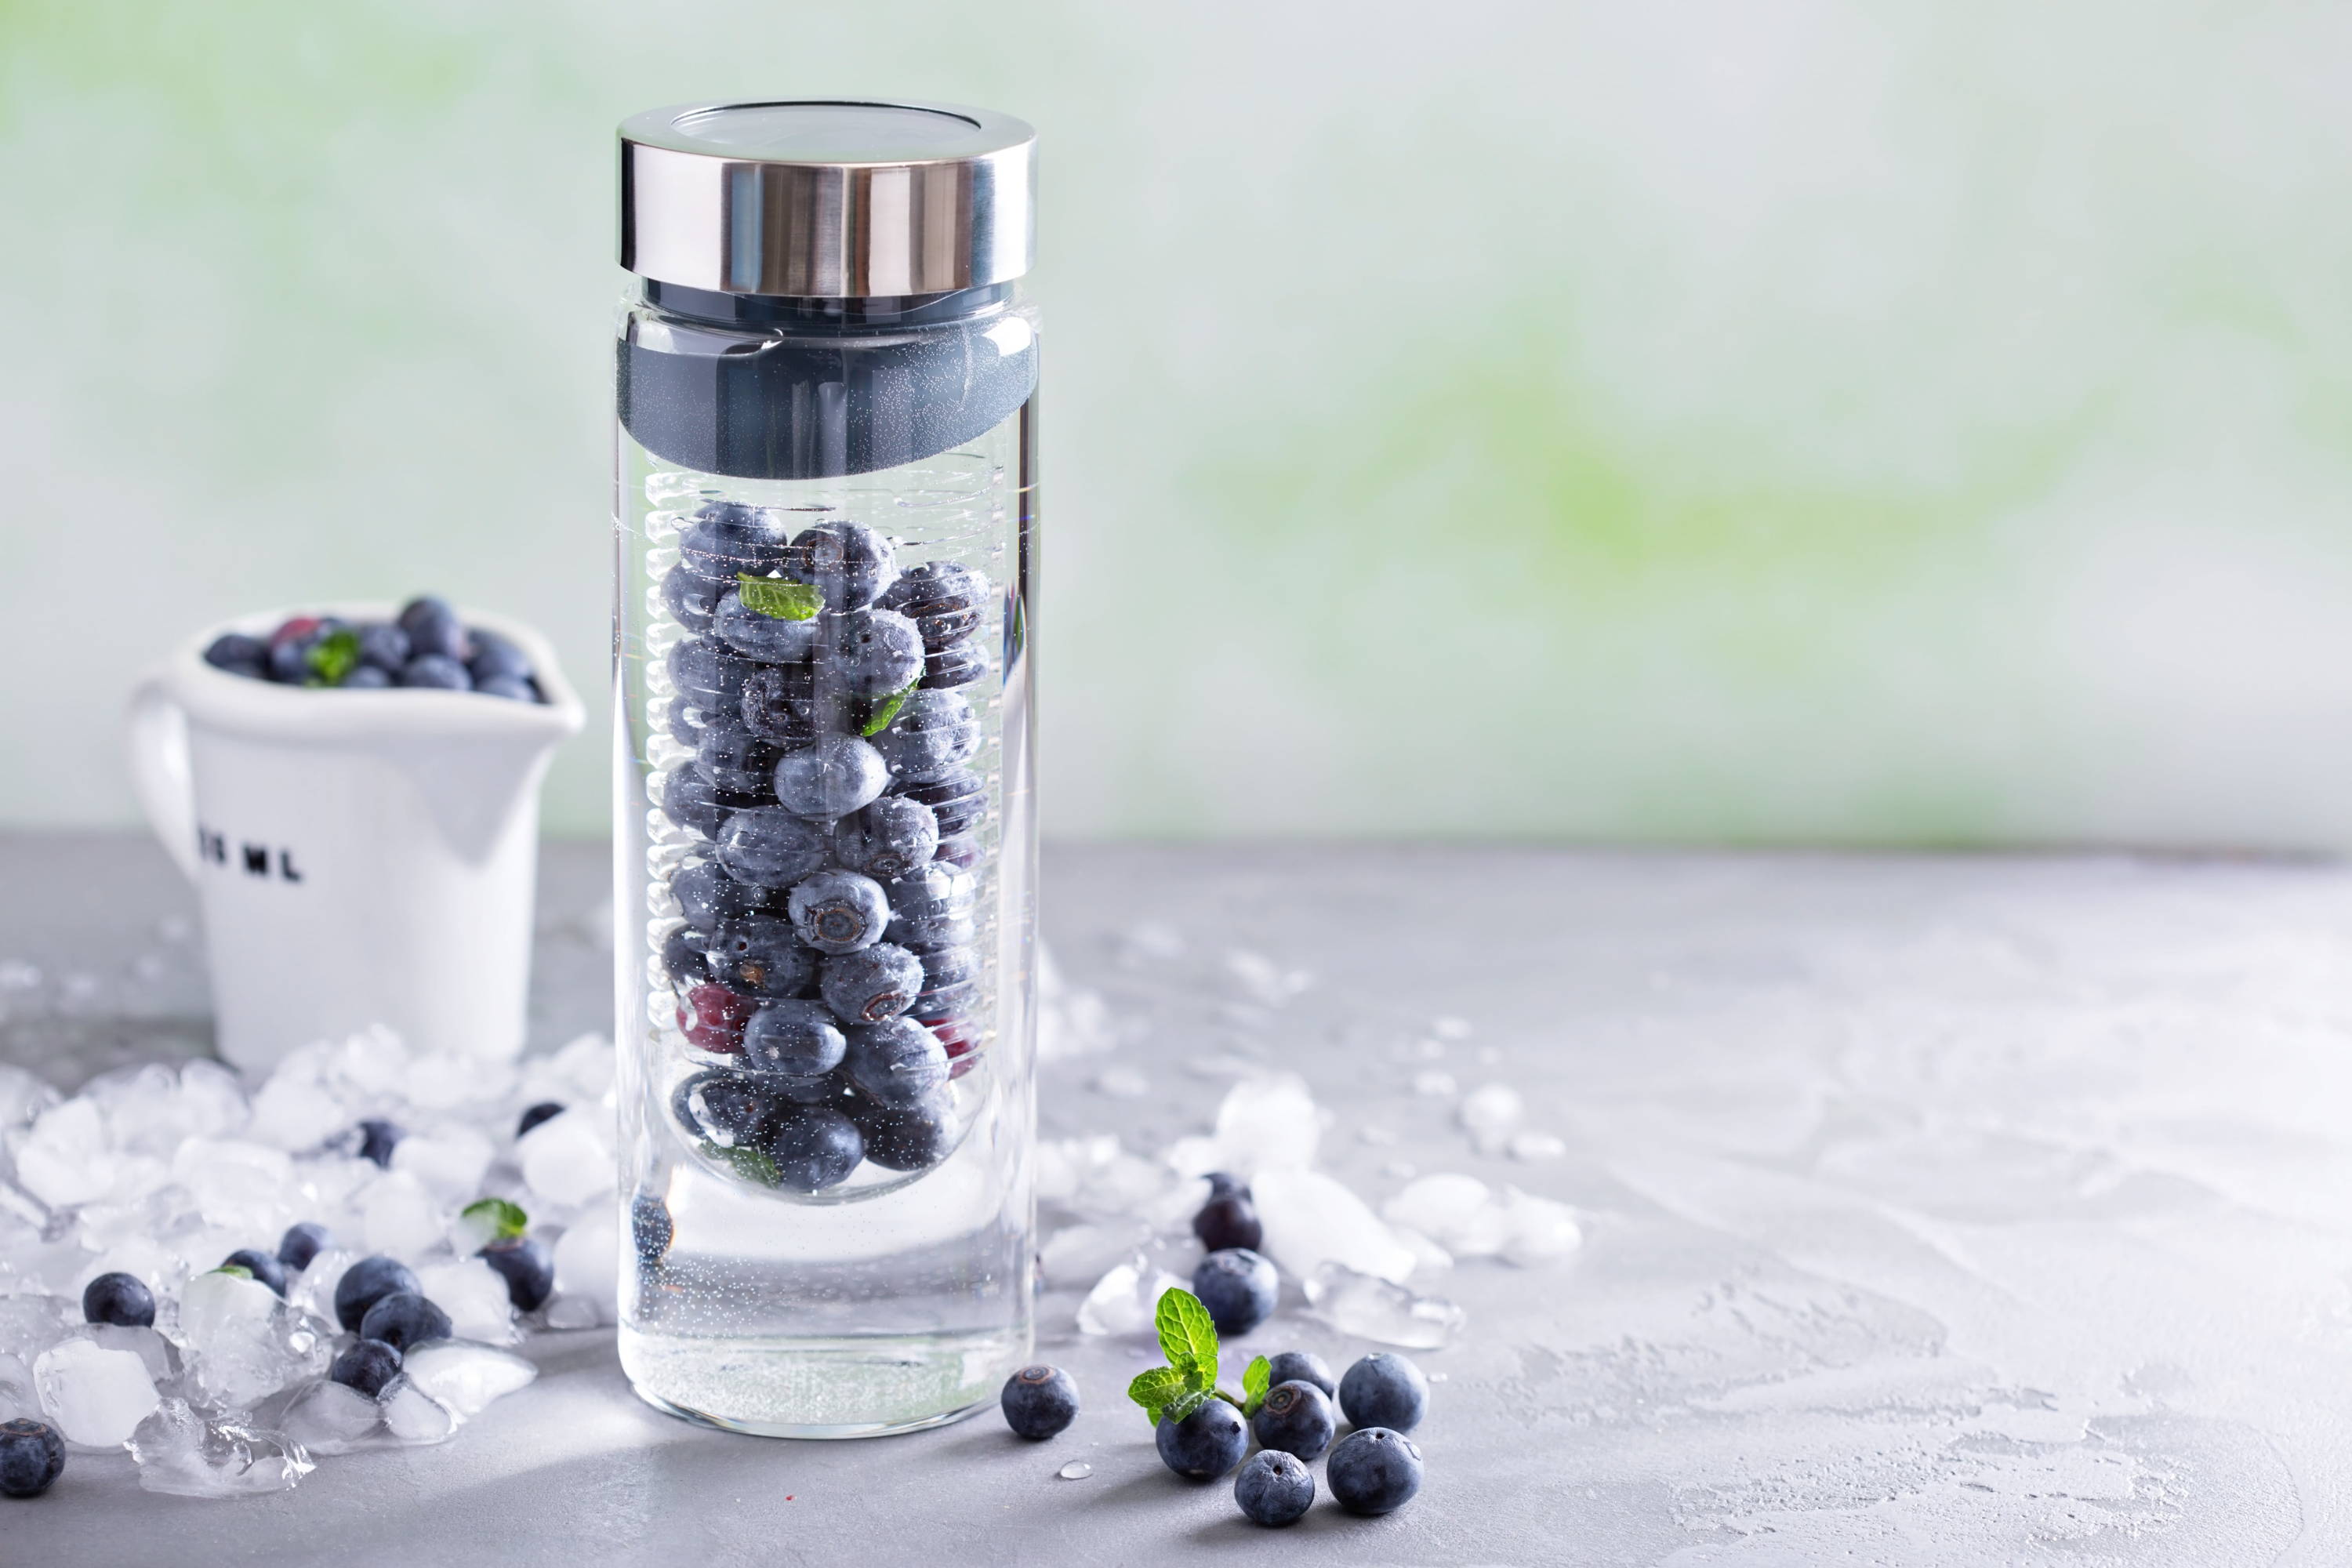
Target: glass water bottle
{"points": [[825, 508]]}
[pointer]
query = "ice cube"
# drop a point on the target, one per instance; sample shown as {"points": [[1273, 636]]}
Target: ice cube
{"points": [[1433, 1083], [156, 1354], [236, 1185], [414, 1417], [43, 1268], [1455, 1210], [23, 1097], [181, 1453], [588, 1261], [1124, 1300], [1264, 981], [330, 1418], [374, 1062], [398, 1217], [1310, 1220], [1269, 1124], [1381, 1311], [18, 1398], [565, 1160], [239, 1346], [1533, 1147], [31, 1322], [572, 1312], [213, 1100], [1122, 1083], [467, 1377], [1065, 1165], [65, 1159], [297, 1111], [1540, 1229], [142, 1108], [448, 1159], [1490, 1114], [585, 1064], [443, 1080], [1428, 1258], [1078, 1253], [474, 1294], [93, 1395], [312, 1291]]}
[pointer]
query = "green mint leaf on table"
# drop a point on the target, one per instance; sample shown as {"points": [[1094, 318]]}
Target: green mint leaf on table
{"points": [[1187, 1338], [1259, 1374], [779, 598], [333, 657], [1156, 1389], [889, 709], [495, 1219]]}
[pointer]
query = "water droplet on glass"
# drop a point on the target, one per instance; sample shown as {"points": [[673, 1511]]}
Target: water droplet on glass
{"points": [[1075, 1470]]}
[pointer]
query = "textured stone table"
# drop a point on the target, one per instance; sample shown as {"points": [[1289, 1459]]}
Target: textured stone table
{"points": [[1938, 1211]]}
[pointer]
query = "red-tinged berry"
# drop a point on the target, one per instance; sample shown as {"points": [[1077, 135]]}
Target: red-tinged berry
{"points": [[713, 1018]]}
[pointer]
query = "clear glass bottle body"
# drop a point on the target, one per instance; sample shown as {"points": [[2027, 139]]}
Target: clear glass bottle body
{"points": [[781, 1275]]}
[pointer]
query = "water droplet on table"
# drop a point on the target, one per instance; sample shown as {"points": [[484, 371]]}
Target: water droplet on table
{"points": [[1075, 1470]]}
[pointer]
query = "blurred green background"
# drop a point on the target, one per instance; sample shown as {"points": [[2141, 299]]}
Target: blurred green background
{"points": [[1894, 423]]}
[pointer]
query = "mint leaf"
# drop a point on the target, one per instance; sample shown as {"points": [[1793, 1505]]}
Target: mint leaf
{"points": [[779, 598], [752, 1164], [889, 709], [235, 1270], [1184, 1404], [1256, 1378], [1153, 1390], [493, 1219], [1187, 1337], [333, 657]]}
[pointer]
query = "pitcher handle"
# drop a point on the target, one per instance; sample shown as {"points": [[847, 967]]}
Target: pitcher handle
{"points": [[159, 769]]}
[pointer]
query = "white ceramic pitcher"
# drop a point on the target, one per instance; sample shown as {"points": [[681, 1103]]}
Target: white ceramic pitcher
{"points": [[361, 857]]}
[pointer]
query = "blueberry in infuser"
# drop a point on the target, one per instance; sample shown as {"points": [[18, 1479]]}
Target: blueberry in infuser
{"points": [[798, 1038], [367, 678], [722, 1108], [822, 1088], [32, 1456], [963, 849], [728, 539], [754, 634], [1038, 1402], [368, 1366], [933, 733], [378, 1139], [303, 1242], [263, 1266], [692, 597], [1375, 1470], [958, 664], [405, 1320], [1227, 1221], [545, 1111], [693, 802], [431, 627], [1296, 1418], [122, 1299], [897, 1061], [847, 563], [1299, 1367], [1205, 1444], [1384, 1390], [868, 653], [909, 1135], [528, 1266], [761, 955], [710, 674], [779, 703], [686, 718], [838, 911], [958, 798], [930, 891], [770, 847], [870, 984], [1238, 1287], [948, 975], [506, 687], [945, 1001], [686, 956], [888, 837], [650, 1229], [1274, 1489], [709, 896], [368, 1281], [814, 1147], [712, 1018], [235, 652], [733, 758], [831, 776], [930, 935], [944, 597], [437, 672]]}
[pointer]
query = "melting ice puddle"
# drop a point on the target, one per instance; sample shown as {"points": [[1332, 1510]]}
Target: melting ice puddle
{"points": [[1075, 1470]]}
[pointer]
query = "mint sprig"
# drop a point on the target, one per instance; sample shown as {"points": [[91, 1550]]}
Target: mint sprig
{"points": [[889, 709], [779, 598], [493, 1219], [1188, 1339], [333, 657], [1255, 1379]]}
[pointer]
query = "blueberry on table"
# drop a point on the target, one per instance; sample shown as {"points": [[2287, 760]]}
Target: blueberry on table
{"points": [[692, 597], [755, 634], [528, 1266], [761, 955], [545, 1111], [846, 563], [32, 1455], [728, 539], [1038, 1402], [1384, 1390], [493, 658], [910, 1135], [797, 1038], [383, 647], [725, 1108], [888, 837], [368, 1281], [870, 984], [1274, 1489], [378, 1139], [1239, 1288], [1299, 1367], [814, 1147], [437, 672], [235, 652], [896, 1061], [712, 1018], [958, 664], [831, 776], [263, 1266], [769, 847], [868, 653], [368, 1366], [959, 798], [933, 733], [433, 628], [693, 802], [405, 1320], [1296, 1419], [121, 1299], [838, 911], [1375, 1470], [709, 897], [1205, 1444], [733, 758], [650, 1227], [708, 672], [303, 1242], [1228, 1221]]}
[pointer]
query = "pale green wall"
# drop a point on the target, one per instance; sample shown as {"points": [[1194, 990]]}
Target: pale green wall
{"points": [[1869, 422]]}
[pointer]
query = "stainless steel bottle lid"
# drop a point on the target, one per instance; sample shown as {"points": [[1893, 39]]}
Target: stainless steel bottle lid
{"points": [[854, 199]]}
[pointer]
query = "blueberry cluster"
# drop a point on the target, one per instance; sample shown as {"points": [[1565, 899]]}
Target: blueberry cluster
{"points": [[827, 950], [1375, 1469], [427, 645]]}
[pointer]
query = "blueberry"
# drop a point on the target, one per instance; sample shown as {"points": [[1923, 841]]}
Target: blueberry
{"points": [[257, 670], [367, 678], [378, 1139], [1225, 1184], [1239, 1288], [1296, 1418], [944, 597], [368, 1366], [1374, 1470], [913, 1135], [759, 955], [1229, 1221], [436, 671], [528, 1266], [838, 911], [1274, 1489], [733, 758], [933, 734], [693, 802], [368, 1281], [496, 657], [779, 704], [650, 1229], [770, 639], [709, 896], [726, 1109], [814, 1147], [1384, 1390], [288, 663], [930, 935], [235, 651], [888, 837], [964, 849], [1205, 1444], [728, 539], [868, 653], [820, 1089], [959, 798], [712, 1018], [708, 675], [545, 1111], [263, 1266], [403, 1319], [433, 628], [897, 1060], [303, 1242], [32, 1455], [506, 687], [870, 984], [949, 973], [769, 847], [122, 1299], [958, 664], [687, 717], [1300, 1366], [796, 1039], [847, 563], [1038, 1402], [692, 598], [831, 776]]}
